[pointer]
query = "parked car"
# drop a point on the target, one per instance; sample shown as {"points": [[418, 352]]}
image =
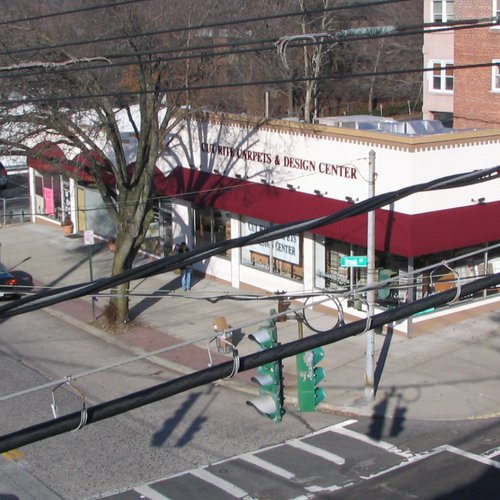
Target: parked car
{"points": [[8, 283], [3, 177]]}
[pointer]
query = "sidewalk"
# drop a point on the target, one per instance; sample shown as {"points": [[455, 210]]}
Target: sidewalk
{"points": [[449, 373]]}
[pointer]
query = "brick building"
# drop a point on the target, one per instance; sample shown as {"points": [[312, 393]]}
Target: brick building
{"points": [[467, 98]]}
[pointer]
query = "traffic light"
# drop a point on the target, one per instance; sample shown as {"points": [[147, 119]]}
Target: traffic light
{"points": [[308, 378], [269, 377]]}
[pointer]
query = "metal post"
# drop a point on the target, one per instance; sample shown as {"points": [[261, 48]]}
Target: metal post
{"points": [[300, 327], [91, 279], [371, 279], [412, 282]]}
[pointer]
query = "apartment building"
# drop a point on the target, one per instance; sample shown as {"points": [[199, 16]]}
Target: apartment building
{"points": [[464, 98]]}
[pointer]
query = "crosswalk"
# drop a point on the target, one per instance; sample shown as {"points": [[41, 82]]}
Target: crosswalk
{"points": [[321, 461]]}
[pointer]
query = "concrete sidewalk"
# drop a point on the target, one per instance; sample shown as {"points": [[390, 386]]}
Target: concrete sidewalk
{"points": [[449, 373]]}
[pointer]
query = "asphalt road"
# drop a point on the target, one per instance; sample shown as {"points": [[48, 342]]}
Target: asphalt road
{"points": [[184, 432], [209, 440]]}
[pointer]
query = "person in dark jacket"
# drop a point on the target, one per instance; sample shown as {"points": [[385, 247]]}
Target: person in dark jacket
{"points": [[185, 270]]}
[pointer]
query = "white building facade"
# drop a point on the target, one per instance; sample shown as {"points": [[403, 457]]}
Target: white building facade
{"points": [[231, 177]]}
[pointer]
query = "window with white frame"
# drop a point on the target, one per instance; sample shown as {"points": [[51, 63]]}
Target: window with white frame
{"points": [[282, 256], [495, 76], [496, 10], [442, 11], [441, 78]]}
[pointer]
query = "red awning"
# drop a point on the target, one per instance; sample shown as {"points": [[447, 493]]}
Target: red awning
{"points": [[47, 157], [396, 233], [83, 162]]}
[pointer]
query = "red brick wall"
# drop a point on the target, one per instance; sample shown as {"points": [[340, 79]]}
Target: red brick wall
{"points": [[475, 106]]}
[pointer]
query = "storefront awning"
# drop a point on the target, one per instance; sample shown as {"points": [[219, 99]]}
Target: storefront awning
{"points": [[46, 157], [83, 162], [396, 233]]}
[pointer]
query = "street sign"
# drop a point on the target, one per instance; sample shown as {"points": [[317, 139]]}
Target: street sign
{"points": [[88, 237], [354, 261]]}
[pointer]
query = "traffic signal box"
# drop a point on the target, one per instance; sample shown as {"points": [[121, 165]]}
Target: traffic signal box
{"points": [[308, 378], [269, 377]]}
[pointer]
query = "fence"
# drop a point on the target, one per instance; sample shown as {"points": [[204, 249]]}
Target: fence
{"points": [[14, 211]]}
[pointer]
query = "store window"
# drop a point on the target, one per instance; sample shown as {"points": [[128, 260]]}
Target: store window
{"points": [[442, 76], [48, 196], [158, 240], [330, 273], [282, 256], [443, 11], [335, 270], [211, 226]]}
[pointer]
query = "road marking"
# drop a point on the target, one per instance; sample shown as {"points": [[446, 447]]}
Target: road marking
{"points": [[226, 486], [466, 454], [492, 453], [319, 489], [150, 493], [267, 466], [13, 454], [340, 429], [314, 450]]}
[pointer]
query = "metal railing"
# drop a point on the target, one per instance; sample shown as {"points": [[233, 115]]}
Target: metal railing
{"points": [[14, 211]]}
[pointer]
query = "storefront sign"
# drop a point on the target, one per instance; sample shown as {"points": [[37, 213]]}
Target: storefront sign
{"points": [[266, 158], [286, 249]]}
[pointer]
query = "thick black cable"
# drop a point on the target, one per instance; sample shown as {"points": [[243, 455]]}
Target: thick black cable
{"points": [[35, 302], [165, 390]]}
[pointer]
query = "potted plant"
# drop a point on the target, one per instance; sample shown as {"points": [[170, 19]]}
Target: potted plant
{"points": [[67, 225]]}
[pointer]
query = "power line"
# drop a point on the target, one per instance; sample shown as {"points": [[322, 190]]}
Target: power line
{"points": [[229, 85], [67, 12], [221, 24], [398, 31]]}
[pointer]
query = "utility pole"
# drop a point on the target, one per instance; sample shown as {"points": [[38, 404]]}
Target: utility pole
{"points": [[370, 281]]}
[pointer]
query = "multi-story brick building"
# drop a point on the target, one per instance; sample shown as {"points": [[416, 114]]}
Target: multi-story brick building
{"points": [[465, 98]]}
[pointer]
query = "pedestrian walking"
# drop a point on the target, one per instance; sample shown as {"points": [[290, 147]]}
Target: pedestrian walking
{"points": [[186, 271]]}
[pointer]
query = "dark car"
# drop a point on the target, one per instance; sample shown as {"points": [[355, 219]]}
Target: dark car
{"points": [[3, 177], [8, 284]]}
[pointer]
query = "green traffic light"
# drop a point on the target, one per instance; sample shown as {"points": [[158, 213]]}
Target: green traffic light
{"points": [[318, 355], [319, 395], [308, 377], [269, 376], [319, 375]]}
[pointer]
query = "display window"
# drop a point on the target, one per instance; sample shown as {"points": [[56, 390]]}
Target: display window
{"points": [[48, 193], [282, 256], [211, 226]]}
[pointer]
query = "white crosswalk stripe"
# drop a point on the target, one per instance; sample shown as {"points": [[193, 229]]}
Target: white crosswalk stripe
{"points": [[314, 450]]}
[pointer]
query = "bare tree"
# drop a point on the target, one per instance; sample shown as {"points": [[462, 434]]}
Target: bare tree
{"points": [[79, 101]]}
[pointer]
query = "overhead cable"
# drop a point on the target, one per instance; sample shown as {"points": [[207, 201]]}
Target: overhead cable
{"points": [[229, 85], [219, 24], [165, 390], [170, 263]]}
